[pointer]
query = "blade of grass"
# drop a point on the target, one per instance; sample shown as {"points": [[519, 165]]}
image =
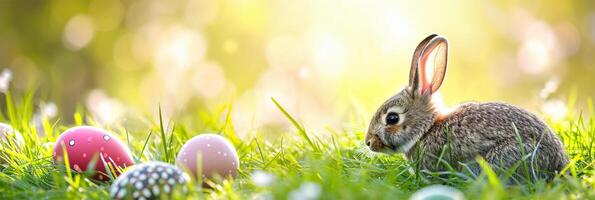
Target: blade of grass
{"points": [[171, 139], [491, 175], [300, 128], [12, 113], [66, 162], [128, 139], [228, 127], [163, 138], [259, 150], [522, 147], [145, 145]]}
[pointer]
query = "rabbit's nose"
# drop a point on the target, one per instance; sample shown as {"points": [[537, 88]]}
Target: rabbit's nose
{"points": [[368, 142]]}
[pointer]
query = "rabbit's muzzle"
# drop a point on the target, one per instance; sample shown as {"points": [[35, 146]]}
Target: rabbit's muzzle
{"points": [[374, 143]]}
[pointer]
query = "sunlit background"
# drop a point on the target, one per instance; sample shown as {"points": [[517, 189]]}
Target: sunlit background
{"points": [[329, 63]]}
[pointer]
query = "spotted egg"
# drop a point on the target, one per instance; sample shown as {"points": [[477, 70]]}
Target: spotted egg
{"points": [[85, 145], [215, 155], [152, 180]]}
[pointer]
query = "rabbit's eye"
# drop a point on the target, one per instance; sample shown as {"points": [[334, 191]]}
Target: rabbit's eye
{"points": [[392, 118]]}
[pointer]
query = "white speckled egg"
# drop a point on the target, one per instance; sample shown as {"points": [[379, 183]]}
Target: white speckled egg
{"points": [[151, 180], [216, 155]]}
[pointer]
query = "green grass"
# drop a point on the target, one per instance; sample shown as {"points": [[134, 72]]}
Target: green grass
{"points": [[336, 161]]}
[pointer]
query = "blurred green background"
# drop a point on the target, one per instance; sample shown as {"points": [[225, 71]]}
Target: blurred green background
{"points": [[327, 62]]}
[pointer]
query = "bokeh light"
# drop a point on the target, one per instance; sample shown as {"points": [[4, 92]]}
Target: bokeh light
{"points": [[78, 32]]}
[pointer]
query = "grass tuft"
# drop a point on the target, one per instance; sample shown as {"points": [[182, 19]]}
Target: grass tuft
{"points": [[335, 163]]}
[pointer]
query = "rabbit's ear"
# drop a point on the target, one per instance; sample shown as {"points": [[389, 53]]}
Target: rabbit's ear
{"points": [[434, 54], [414, 72]]}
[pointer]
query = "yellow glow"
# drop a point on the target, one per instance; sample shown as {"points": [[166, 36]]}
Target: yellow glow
{"points": [[179, 47], [230, 46], [329, 55], [208, 80], [316, 57], [555, 109]]}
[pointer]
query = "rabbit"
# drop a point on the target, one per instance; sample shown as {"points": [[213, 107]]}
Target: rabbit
{"points": [[502, 134]]}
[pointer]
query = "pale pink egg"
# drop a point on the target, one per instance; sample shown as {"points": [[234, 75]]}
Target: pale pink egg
{"points": [[84, 144], [215, 154]]}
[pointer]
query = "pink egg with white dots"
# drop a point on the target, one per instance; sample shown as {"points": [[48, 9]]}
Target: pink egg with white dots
{"points": [[84, 144], [216, 155]]}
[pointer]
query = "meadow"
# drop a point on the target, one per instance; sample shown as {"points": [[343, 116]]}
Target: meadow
{"points": [[292, 84], [296, 165]]}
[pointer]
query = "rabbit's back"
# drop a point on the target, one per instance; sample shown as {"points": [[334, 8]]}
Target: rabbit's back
{"points": [[491, 123], [490, 130]]}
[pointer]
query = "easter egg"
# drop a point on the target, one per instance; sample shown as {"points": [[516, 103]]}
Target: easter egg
{"points": [[7, 133], [214, 153], [151, 180], [85, 144], [438, 192]]}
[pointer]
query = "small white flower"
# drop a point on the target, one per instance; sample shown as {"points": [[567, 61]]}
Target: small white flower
{"points": [[49, 109], [555, 109], [306, 191], [438, 192], [5, 79], [106, 109], [262, 178], [263, 196], [550, 87], [46, 111]]}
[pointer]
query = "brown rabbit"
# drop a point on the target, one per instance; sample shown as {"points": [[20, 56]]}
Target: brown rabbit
{"points": [[501, 133]]}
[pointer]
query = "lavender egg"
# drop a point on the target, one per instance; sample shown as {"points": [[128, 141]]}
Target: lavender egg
{"points": [[216, 155]]}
